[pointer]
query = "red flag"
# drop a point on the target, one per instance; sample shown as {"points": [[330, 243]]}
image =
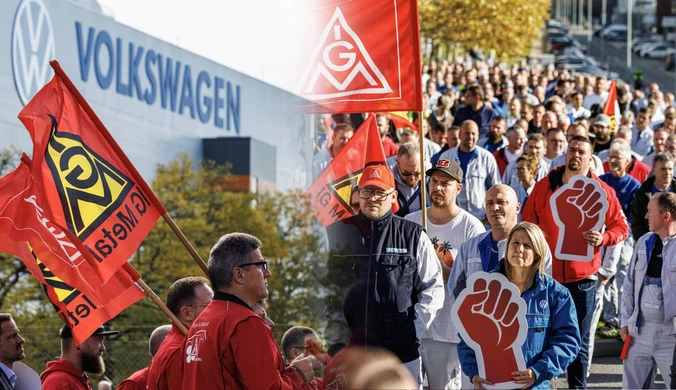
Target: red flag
{"points": [[365, 57], [330, 193], [76, 309], [88, 185], [400, 122], [611, 108]]}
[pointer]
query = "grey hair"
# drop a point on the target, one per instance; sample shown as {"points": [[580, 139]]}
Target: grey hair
{"points": [[563, 118], [629, 116], [514, 129], [622, 147], [409, 149], [231, 250], [662, 157]]}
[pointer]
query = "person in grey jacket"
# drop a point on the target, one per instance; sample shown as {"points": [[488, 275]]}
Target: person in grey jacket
{"points": [[649, 298]]}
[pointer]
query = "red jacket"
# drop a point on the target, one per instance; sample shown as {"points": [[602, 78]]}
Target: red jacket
{"points": [[166, 369], [389, 147], [230, 347], [539, 212], [137, 381], [501, 160], [63, 375], [635, 169]]}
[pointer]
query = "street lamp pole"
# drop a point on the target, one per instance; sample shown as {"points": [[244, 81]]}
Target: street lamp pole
{"points": [[589, 20], [630, 20], [604, 7]]}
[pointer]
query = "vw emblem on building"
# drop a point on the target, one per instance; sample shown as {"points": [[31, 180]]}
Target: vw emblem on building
{"points": [[32, 48]]}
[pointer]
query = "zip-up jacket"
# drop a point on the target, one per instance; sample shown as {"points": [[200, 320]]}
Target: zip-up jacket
{"points": [[230, 347], [633, 282], [639, 225], [390, 276], [539, 212], [553, 339], [166, 371], [482, 174], [501, 160]]}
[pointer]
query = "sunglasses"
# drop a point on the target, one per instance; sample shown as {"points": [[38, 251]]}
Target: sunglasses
{"points": [[263, 263]]}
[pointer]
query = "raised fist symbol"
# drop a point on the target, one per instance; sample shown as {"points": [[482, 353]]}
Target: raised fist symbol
{"points": [[578, 207], [492, 321]]}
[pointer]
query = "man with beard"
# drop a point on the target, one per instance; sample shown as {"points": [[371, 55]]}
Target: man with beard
{"points": [[602, 133], [448, 227], [11, 350], [384, 273], [70, 370], [495, 139], [578, 276], [475, 110], [407, 173]]}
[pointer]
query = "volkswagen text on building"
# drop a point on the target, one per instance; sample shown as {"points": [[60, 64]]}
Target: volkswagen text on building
{"points": [[157, 99]]}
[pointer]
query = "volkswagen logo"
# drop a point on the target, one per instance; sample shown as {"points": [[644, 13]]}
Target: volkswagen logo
{"points": [[32, 48]]}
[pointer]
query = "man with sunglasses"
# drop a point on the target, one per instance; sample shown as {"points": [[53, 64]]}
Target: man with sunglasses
{"points": [[229, 346], [186, 298], [384, 273]]}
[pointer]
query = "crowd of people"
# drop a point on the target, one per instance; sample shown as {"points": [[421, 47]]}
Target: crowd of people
{"points": [[499, 141]]}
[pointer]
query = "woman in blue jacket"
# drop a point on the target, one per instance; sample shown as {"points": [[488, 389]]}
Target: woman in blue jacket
{"points": [[553, 339]]}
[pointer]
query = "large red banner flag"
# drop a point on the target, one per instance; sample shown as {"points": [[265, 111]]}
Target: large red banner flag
{"points": [[77, 309], [88, 184], [365, 57], [330, 193], [611, 107]]}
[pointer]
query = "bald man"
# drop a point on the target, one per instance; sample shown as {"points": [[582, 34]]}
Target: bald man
{"points": [[137, 380], [502, 208]]}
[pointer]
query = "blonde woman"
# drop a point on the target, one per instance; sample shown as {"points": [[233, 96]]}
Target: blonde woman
{"points": [[553, 339]]}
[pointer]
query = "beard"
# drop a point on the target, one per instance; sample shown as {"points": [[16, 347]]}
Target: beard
{"points": [[574, 166], [494, 138], [93, 364]]}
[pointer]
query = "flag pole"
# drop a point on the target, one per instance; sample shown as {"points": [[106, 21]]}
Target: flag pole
{"points": [[127, 163], [153, 297], [423, 186]]}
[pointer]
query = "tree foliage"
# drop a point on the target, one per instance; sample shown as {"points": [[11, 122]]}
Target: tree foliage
{"points": [[506, 26]]}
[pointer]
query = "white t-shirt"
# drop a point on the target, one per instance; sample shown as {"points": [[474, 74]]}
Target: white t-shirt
{"points": [[447, 238], [511, 157]]}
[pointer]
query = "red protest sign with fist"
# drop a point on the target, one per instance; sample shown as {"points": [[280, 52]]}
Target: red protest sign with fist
{"points": [[578, 207], [490, 315]]}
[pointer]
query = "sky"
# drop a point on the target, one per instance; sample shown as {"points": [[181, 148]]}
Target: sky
{"points": [[264, 39]]}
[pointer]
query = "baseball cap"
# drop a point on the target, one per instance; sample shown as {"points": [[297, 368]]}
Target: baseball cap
{"points": [[449, 167], [67, 333], [377, 175], [602, 120]]}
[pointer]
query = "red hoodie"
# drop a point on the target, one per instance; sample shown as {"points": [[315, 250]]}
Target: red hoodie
{"points": [[63, 375], [539, 212]]}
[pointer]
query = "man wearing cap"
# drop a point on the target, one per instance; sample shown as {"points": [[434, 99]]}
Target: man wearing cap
{"points": [[601, 129], [448, 227], [384, 272], [186, 298], [70, 370]]}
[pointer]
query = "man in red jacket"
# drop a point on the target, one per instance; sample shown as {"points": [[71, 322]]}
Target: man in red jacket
{"points": [[229, 346], [70, 371], [139, 379], [579, 277], [186, 299]]}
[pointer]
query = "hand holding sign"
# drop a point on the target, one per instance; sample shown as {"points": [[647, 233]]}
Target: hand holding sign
{"points": [[491, 318], [579, 210]]}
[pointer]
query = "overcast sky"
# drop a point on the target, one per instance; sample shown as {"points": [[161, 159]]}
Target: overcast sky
{"points": [[260, 38]]}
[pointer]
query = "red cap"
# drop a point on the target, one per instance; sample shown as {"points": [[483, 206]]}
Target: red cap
{"points": [[377, 175]]}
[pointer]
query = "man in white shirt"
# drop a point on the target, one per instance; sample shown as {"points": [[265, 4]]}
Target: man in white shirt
{"points": [[11, 350], [599, 96], [341, 134], [448, 226], [659, 145], [576, 109], [556, 144], [536, 146]]}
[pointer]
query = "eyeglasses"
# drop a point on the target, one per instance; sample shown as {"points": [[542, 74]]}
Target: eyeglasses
{"points": [[263, 263], [407, 174], [366, 193]]}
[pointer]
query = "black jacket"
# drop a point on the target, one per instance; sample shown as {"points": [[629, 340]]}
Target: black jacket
{"points": [[374, 267]]}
